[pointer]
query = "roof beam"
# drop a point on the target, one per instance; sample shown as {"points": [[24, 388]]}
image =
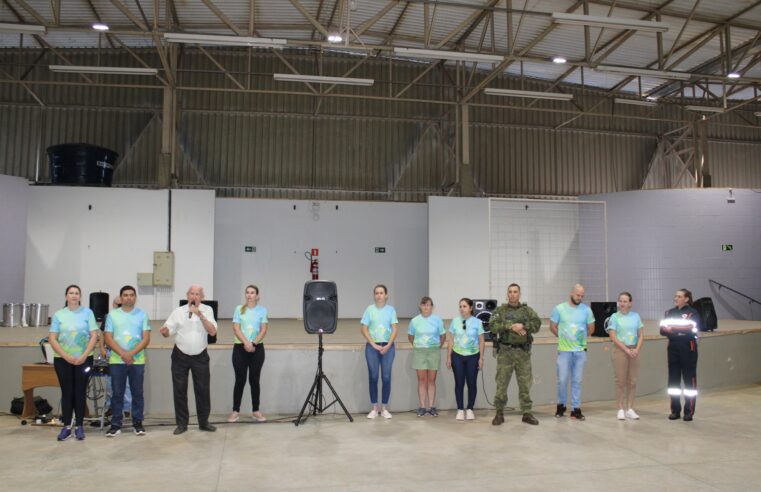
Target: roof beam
{"points": [[221, 16], [305, 13], [32, 12], [375, 18], [128, 13]]}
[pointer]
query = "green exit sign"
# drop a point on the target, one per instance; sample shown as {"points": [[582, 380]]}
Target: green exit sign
{"points": [[726, 247], [380, 249], [250, 249]]}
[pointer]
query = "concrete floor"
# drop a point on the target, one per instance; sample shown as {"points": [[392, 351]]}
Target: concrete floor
{"points": [[717, 451]]}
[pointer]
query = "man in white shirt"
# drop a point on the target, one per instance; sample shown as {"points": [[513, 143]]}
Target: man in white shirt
{"points": [[191, 324]]}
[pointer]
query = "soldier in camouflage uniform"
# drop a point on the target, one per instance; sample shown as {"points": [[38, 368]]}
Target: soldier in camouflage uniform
{"points": [[512, 325]]}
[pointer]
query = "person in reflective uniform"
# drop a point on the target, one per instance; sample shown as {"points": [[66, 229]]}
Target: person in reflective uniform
{"points": [[681, 325]]}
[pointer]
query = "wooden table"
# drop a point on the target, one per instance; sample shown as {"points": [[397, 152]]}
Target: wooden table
{"points": [[35, 376]]}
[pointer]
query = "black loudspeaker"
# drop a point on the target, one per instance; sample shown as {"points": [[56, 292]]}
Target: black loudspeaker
{"points": [[99, 305], [483, 310], [213, 305], [320, 306], [602, 311], [708, 320]]}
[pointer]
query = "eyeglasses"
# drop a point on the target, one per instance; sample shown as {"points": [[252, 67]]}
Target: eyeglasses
{"points": [[463, 325]]}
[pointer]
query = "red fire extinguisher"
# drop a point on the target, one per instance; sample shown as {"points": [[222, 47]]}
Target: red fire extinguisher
{"points": [[314, 264]]}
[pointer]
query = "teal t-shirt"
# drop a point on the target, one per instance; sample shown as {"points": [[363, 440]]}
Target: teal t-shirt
{"points": [[466, 340], [427, 331], [73, 329], [626, 326], [250, 322], [379, 321], [127, 329], [572, 326]]}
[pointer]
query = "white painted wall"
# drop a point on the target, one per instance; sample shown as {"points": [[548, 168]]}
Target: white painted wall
{"points": [[100, 238], [346, 234], [662, 240], [13, 212], [458, 256]]}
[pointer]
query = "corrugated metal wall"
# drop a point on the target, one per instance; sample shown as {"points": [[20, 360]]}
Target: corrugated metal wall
{"points": [[252, 144]]}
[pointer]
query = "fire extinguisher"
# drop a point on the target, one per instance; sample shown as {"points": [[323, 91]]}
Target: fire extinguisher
{"points": [[314, 267]]}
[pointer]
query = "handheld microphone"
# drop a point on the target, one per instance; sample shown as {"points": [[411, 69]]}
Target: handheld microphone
{"points": [[190, 313]]}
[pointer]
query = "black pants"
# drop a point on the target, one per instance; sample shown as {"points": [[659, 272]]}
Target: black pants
{"points": [[73, 380], [683, 364], [465, 369], [247, 363], [198, 365]]}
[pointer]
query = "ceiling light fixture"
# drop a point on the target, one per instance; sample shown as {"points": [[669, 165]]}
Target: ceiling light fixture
{"points": [[644, 72], [705, 109], [321, 79], [609, 22], [214, 40], [559, 60], [733, 75], [555, 96], [103, 70], [448, 55], [335, 38], [22, 28], [99, 26], [635, 102]]}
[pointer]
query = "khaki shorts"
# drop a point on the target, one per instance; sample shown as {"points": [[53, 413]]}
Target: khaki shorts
{"points": [[426, 358]]}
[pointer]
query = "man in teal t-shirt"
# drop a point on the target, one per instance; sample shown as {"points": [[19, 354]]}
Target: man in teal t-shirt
{"points": [[127, 334], [571, 322]]}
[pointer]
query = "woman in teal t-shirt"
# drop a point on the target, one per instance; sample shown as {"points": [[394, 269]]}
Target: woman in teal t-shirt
{"points": [[625, 330], [73, 334], [465, 356], [379, 326], [427, 335], [249, 327]]}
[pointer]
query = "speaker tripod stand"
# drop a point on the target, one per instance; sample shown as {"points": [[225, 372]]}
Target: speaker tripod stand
{"points": [[315, 397]]}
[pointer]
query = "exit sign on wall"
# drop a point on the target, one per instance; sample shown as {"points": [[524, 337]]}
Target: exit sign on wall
{"points": [[726, 247]]}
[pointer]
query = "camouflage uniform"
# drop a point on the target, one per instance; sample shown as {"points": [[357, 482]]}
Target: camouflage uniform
{"points": [[513, 351]]}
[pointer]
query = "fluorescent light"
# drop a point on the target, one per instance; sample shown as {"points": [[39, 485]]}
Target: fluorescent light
{"points": [[652, 98], [644, 72], [103, 70], [22, 28], [559, 60], [335, 38], [610, 22], [98, 26], [705, 109], [757, 114], [635, 102], [448, 55], [321, 79], [557, 96], [733, 75], [209, 39]]}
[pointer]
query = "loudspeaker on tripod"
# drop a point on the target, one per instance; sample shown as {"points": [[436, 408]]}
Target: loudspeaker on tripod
{"points": [[320, 306], [602, 311]]}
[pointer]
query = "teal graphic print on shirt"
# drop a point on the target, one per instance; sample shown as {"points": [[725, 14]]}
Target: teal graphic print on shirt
{"points": [[379, 321], [466, 340], [626, 327], [572, 326], [250, 322], [427, 331], [127, 329], [73, 329]]}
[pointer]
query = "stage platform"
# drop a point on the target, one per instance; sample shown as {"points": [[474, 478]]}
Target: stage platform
{"points": [[727, 357]]}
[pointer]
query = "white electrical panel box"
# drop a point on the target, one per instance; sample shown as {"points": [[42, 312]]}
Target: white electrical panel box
{"points": [[145, 279], [163, 268]]}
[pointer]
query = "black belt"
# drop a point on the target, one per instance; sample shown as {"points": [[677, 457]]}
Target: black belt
{"points": [[523, 346]]}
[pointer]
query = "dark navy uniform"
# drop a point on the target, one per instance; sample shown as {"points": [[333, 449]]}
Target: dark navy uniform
{"points": [[682, 359]]}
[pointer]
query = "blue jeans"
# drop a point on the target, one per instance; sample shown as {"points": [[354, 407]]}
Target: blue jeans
{"points": [[119, 375], [127, 395], [379, 363], [570, 364]]}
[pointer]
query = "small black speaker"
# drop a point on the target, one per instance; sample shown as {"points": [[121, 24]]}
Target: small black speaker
{"points": [[708, 320], [602, 311], [213, 305], [320, 306], [99, 305], [483, 310]]}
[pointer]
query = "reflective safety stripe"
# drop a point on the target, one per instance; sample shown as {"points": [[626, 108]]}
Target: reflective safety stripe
{"points": [[690, 393], [676, 391]]}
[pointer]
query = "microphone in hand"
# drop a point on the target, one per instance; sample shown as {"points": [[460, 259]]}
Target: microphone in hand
{"points": [[190, 309]]}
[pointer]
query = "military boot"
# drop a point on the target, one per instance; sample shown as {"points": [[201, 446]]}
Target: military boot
{"points": [[499, 418]]}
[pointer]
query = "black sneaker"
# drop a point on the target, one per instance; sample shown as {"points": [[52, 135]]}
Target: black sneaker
{"points": [[687, 418], [113, 431], [138, 428], [674, 416], [560, 410], [576, 414]]}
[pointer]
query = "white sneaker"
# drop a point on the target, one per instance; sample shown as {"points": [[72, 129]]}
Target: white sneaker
{"points": [[621, 415], [632, 414], [460, 415], [373, 413], [234, 417], [469, 415], [386, 414]]}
